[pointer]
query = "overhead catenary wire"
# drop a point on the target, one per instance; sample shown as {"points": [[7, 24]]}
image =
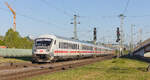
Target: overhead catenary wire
{"points": [[139, 16], [127, 16], [126, 7], [31, 18], [34, 19], [58, 9]]}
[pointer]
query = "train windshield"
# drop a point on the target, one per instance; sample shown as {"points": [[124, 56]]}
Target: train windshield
{"points": [[43, 43]]}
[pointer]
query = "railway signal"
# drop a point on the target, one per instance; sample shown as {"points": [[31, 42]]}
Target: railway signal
{"points": [[118, 34], [94, 33]]}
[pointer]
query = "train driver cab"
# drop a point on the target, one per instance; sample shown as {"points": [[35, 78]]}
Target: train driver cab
{"points": [[41, 49]]}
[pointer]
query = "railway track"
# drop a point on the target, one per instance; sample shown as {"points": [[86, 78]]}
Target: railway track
{"points": [[23, 71]]}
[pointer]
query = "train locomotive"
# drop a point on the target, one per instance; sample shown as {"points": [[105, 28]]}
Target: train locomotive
{"points": [[49, 48]]}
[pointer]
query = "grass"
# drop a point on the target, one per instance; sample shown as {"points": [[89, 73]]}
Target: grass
{"points": [[115, 69], [15, 60]]}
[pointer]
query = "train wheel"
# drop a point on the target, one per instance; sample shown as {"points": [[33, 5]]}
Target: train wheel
{"points": [[33, 62], [53, 61], [94, 56]]}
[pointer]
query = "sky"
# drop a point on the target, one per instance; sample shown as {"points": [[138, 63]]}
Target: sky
{"points": [[37, 17]]}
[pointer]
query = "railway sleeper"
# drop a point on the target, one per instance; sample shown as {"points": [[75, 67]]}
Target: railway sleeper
{"points": [[50, 67], [25, 66], [70, 66]]}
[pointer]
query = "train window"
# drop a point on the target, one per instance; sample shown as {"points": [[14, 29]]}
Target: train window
{"points": [[65, 45], [59, 45], [55, 42], [43, 43], [84, 47], [75, 46], [71, 46]]}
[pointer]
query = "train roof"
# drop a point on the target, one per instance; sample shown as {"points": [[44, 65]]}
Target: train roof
{"points": [[55, 36], [82, 42]]}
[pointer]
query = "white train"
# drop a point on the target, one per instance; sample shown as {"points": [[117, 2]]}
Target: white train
{"points": [[48, 48]]}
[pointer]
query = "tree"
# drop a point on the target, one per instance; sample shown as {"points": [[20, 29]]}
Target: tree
{"points": [[1, 37], [11, 39], [14, 40], [2, 43]]}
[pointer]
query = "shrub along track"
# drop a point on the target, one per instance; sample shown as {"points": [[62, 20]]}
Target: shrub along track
{"points": [[23, 71]]}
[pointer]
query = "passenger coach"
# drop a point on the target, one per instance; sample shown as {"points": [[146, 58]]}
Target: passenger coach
{"points": [[48, 48]]}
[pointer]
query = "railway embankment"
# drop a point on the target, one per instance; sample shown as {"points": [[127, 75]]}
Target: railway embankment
{"points": [[125, 68], [18, 71], [114, 69]]}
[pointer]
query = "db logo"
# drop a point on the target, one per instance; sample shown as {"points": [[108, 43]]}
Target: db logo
{"points": [[41, 50]]}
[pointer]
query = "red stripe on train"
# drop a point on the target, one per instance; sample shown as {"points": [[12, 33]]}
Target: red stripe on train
{"points": [[60, 51], [57, 51]]}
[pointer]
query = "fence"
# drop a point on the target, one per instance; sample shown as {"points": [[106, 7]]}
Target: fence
{"points": [[7, 52]]}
